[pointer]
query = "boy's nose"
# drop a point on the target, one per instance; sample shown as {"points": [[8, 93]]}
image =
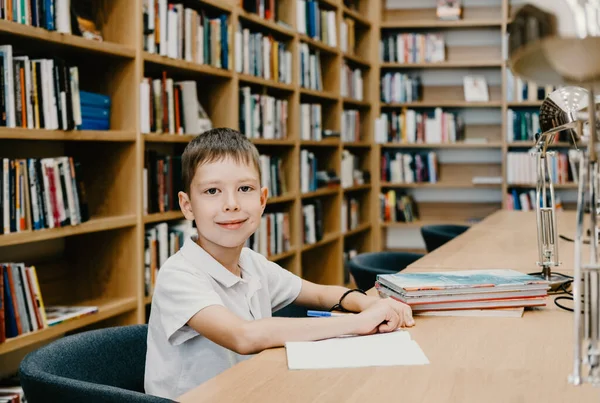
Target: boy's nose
{"points": [[231, 204]]}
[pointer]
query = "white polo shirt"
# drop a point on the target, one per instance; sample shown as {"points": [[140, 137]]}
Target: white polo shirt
{"points": [[178, 358]]}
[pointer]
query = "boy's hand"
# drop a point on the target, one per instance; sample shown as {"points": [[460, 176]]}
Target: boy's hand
{"points": [[402, 309], [383, 317]]}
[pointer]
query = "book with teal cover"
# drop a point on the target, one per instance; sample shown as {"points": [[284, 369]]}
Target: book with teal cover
{"points": [[499, 278]]}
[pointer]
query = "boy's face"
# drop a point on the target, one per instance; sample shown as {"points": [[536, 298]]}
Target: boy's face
{"points": [[226, 201]]}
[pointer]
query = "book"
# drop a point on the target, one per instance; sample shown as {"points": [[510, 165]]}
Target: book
{"points": [[476, 89], [57, 314], [449, 9]]}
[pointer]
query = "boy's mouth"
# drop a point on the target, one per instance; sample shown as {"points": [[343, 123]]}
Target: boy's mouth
{"points": [[232, 224]]}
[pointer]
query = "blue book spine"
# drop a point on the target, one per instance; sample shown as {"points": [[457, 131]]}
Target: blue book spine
{"points": [[311, 6], [9, 310], [49, 8], [94, 112], [92, 99], [94, 124], [224, 43]]}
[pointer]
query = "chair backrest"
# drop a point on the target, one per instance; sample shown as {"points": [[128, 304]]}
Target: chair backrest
{"points": [[366, 266], [98, 366], [437, 235]]}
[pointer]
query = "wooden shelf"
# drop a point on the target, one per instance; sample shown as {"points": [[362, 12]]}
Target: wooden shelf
{"points": [[357, 61], [529, 144], [274, 27], [533, 185], [107, 308], [246, 78], [356, 188], [65, 40], [356, 144], [93, 225], [284, 255], [358, 230], [444, 65], [356, 16], [458, 57], [330, 142], [273, 142], [62, 135], [323, 47], [461, 145], [321, 192], [356, 103], [182, 65], [327, 238], [168, 138], [160, 217], [473, 17], [440, 185], [319, 94], [281, 199], [524, 104]]}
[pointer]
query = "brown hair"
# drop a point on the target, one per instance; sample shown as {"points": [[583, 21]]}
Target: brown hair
{"points": [[214, 145]]}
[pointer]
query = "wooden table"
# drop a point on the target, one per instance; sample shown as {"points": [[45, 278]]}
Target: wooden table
{"points": [[524, 359]]}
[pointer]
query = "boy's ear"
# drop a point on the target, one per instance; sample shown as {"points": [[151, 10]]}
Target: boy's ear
{"points": [[264, 195], [186, 206]]}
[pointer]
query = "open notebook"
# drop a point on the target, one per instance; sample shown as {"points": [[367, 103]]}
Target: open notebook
{"points": [[383, 349]]}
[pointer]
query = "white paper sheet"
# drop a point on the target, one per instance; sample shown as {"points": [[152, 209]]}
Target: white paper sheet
{"points": [[383, 349]]}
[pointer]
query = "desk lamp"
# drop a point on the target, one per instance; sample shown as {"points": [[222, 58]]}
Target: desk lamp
{"points": [[565, 51]]}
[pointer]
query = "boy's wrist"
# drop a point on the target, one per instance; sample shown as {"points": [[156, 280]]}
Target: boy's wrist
{"points": [[356, 302]]}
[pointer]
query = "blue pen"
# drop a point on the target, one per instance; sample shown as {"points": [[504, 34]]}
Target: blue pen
{"points": [[323, 314]]}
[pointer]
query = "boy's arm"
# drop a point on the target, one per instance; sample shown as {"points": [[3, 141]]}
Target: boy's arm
{"points": [[326, 296], [223, 327]]}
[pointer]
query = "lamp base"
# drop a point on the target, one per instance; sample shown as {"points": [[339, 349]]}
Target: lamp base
{"points": [[556, 280]]}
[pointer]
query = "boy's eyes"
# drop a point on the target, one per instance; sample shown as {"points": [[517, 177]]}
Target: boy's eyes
{"points": [[214, 191]]}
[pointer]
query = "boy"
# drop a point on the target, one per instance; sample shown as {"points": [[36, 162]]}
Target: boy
{"points": [[213, 299]]}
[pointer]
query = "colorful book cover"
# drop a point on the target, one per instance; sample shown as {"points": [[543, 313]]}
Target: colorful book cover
{"points": [[59, 314], [458, 279]]}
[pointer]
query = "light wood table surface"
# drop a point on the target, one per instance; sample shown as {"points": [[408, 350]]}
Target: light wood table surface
{"points": [[524, 359]]}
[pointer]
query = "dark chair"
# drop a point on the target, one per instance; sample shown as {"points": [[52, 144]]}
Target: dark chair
{"points": [[437, 235], [98, 366], [366, 266]]}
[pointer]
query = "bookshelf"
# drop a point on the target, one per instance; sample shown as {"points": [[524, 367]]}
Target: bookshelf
{"points": [[101, 261]]}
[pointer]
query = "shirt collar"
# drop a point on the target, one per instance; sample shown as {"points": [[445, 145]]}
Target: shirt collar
{"points": [[203, 261]]}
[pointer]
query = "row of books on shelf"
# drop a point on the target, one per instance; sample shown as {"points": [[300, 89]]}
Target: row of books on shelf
{"points": [[520, 90], [266, 9], [311, 122], [417, 127], [41, 193], [313, 222], [348, 36], [351, 82], [522, 124], [272, 236], [171, 107], [397, 167], [474, 289], [161, 241], [310, 68], [412, 48], [395, 206], [312, 179], [178, 32], [260, 55], [350, 126], [263, 116], [273, 175], [316, 22], [162, 180], [43, 93], [400, 88], [524, 200], [22, 308], [522, 167], [11, 391], [350, 172], [350, 216]]}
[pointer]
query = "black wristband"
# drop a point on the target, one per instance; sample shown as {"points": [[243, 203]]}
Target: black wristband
{"points": [[339, 304]]}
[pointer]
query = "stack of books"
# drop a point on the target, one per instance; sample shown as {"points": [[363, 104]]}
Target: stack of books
{"points": [[469, 289], [95, 111]]}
